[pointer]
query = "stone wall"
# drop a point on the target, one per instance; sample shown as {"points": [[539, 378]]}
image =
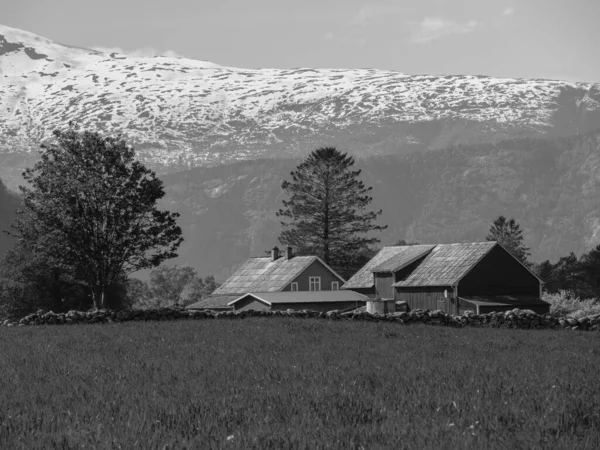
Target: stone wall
{"points": [[518, 319]]}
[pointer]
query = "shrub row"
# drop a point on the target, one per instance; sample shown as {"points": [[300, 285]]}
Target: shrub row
{"points": [[521, 319]]}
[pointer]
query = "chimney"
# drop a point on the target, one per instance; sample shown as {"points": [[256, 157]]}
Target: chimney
{"points": [[289, 254], [275, 254]]}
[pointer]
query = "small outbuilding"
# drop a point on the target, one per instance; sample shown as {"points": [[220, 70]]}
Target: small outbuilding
{"points": [[301, 300], [478, 276]]}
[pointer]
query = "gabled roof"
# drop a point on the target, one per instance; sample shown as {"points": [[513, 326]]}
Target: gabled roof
{"points": [[446, 264], [403, 257], [216, 302], [286, 297], [441, 265], [266, 275], [387, 257]]}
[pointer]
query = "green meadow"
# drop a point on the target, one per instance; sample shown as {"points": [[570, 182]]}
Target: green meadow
{"points": [[288, 383]]}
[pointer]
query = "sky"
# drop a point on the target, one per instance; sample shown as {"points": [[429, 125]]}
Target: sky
{"points": [[556, 39]]}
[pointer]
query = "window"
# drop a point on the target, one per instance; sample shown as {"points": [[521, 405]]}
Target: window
{"points": [[294, 286], [335, 285], [314, 283]]}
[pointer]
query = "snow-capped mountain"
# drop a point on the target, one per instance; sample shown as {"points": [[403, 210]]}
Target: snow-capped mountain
{"points": [[182, 113], [185, 114]]}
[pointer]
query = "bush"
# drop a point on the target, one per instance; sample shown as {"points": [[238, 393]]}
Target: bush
{"points": [[567, 304]]}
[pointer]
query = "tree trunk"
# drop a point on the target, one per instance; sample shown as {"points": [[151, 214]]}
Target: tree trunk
{"points": [[98, 295]]}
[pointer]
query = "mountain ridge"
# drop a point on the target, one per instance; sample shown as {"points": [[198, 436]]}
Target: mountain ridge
{"points": [[182, 113], [445, 154]]}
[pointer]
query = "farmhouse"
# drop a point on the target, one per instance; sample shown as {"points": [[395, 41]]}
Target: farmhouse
{"points": [[298, 282], [479, 276]]}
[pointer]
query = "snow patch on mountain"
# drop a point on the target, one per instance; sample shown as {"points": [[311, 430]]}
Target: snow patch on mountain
{"points": [[188, 112]]}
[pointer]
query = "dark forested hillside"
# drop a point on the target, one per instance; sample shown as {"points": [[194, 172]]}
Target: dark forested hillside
{"points": [[9, 202], [551, 187]]}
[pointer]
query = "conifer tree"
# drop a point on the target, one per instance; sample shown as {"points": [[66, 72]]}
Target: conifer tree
{"points": [[326, 211], [509, 234]]}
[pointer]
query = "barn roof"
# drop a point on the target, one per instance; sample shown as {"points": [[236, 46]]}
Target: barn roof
{"points": [[364, 277], [266, 275], [216, 302], [403, 257], [286, 297], [446, 264], [396, 256]]}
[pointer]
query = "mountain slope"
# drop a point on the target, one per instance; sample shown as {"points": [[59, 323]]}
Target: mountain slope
{"points": [[9, 202], [445, 154], [182, 113], [552, 188]]}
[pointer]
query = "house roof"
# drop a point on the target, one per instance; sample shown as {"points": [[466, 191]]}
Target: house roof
{"points": [[216, 302], [446, 264], [266, 275], [385, 258], [277, 298], [403, 257], [506, 300]]}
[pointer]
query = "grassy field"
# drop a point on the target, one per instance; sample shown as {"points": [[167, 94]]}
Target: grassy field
{"points": [[294, 383]]}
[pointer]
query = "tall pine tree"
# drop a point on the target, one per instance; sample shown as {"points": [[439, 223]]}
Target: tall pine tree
{"points": [[509, 234], [326, 211]]}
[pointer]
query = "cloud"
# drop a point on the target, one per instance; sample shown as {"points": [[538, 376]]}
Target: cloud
{"points": [[145, 52], [354, 40], [432, 28], [508, 11], [355, 32], [372, 11]]}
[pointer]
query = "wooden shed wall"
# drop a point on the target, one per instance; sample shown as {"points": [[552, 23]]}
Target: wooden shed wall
{"points": [[464, 306], [431, 298], [498, 273], [383, 285], [316, 269], [250, 303]]}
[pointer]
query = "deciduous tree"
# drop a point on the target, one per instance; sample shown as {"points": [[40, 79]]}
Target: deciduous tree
{"points": [[28, 282], [200, 289], [589, 264], [169, 282], [91, 205]]}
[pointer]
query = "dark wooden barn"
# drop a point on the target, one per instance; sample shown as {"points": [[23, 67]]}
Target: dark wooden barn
{"points": [[479, 276]]}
